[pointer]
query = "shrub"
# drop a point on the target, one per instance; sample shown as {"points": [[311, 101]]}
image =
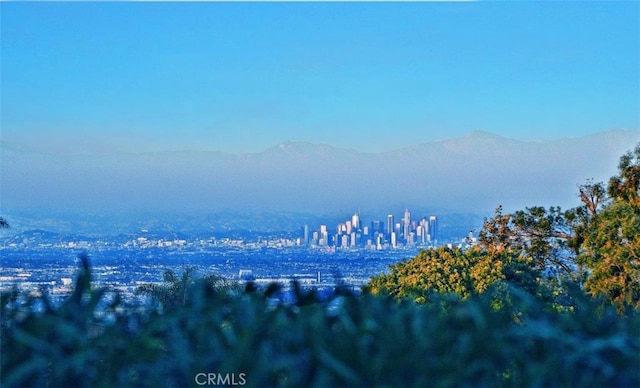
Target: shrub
{"points": [[95, 338]]}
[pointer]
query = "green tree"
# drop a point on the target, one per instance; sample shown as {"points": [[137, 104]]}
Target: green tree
{"points": [[536, 233], [594, 198], [540, 249], [609, 241], [176, 289], [454, 271], [435, 270], [625, 186]]}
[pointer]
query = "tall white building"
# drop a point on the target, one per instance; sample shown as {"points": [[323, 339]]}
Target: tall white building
{"points": [[390, 224], [421, 234], [324, 236], [355, 221], [424, 236], [406, 221]]}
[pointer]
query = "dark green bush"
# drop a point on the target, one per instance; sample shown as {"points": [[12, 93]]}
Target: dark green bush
{"points": [[97, 339]]}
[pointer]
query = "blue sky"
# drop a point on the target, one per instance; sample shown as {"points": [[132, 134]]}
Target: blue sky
{"points": [[241, 77]]}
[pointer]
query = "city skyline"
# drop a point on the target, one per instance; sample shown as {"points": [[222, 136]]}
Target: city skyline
{"points": [[353, 233], [373, 77]]}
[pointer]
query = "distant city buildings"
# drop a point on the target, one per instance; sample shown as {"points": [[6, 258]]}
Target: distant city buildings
{"points": [[354, 233]]}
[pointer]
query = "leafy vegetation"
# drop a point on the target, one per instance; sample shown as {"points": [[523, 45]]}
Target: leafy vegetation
{"points": [[443, 270], [610, 242], [96, 339], [175, 290], [595, 246]]}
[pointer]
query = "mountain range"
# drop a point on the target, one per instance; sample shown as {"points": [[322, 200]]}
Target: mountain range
{"points": [[473, 173]]}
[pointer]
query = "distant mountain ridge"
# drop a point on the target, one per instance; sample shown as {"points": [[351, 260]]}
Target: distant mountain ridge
{"points": [[475, 172], [472, 138]]}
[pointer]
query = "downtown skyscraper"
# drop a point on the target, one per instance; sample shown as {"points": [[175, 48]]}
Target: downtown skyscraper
{"points": [[352, 233]]}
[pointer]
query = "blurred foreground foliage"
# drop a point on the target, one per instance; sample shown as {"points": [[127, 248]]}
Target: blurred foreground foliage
{"points": [[95, 338]]}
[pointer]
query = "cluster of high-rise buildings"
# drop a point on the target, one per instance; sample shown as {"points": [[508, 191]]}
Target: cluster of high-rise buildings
{"points": [[378, 235]]}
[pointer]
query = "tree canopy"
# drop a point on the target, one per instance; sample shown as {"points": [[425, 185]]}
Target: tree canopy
{"points": [[454, 271], [175, 289], [596, 246], [610, 240]]}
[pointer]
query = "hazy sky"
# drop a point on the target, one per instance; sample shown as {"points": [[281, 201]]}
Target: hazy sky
{"points": [[241, 77]]}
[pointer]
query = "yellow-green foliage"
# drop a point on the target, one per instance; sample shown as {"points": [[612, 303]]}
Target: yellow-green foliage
{"points": [[611, 251], [542, 251], [451, 270], [610, 239]]}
